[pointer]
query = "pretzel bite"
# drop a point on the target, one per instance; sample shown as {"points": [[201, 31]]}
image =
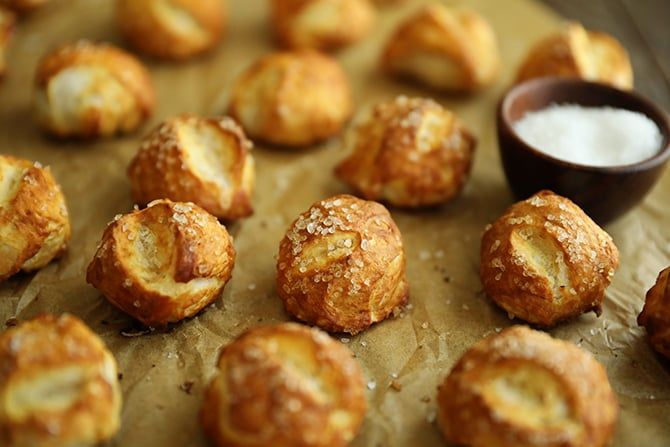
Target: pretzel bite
{"points": [[655, 315], [23, 6], [164, 263], [201, 160], [172, 29], [546, 261], [34, 223], [409, 152], [341, 265], [444, 48], [294, 98], [284, 385], [7, 21], [89, 90], [521, 388], [58, 385], [321, 24], [575, 52]]}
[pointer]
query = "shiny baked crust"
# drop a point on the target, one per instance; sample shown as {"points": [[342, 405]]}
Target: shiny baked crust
{"points": [[521, 388], [409, 152], [444, 48], [284, 385], [655, 316], [172, 29], [546, 261], [58, 385], [341, 265], [163, 263], [321, 24], [34, 223], [23, 6], [293, 98], [206, 161], [89, 89], [7, 22], [577, 53]]}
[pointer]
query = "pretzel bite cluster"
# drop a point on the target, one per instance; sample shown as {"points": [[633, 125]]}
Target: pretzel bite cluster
{"points": [[88, 90], [58, 385], [444, 48], [164, 263], [577, 53], [294, 98], [409, 152], [206, 161], [321, 24], [521, 388], [172, 29], [655, 315], [545, 260], [7, 21], [34, 223], [283, 386], [341, 265]]}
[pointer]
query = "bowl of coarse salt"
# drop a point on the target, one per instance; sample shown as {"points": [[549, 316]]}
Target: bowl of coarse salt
{"points": [[601, 147]]}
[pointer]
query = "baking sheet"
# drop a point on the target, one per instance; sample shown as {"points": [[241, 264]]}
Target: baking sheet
{"points": [[164, 373]]}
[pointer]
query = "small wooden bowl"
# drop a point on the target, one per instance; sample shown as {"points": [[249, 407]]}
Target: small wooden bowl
{"points": [[604, 193]]}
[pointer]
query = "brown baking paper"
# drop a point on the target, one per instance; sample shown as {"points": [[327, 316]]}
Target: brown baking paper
{"points": [[164, 373]]}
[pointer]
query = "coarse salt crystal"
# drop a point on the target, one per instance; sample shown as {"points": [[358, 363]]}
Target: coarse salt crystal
{"points": [[591, 136]]}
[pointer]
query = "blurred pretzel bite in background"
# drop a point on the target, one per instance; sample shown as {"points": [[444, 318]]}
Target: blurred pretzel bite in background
{"points": [[89, 90], [58, 385], [34, 223], [444, 48], [546, 261], [388, 2], [206, 161], [409, 152], [293, 98], [164, 263], [577, 53], [172, 29], [7, 22], [341, 265], [284, 385], [321, 24], [23, 6], [655, 315], [521, 388]]}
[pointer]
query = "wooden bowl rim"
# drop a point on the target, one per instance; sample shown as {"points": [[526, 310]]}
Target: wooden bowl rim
{"points": [[646, 107]]}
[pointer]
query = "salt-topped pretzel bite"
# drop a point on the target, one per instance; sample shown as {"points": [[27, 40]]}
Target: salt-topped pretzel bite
{"points": [[206, 161], [89, 90], [578, 53], [321, 24], [284, 385], [292, 98], [409, 152], [522, 388], [34, 223], [58, 385], [172, 29], [546, 261], [341, 265], [163, 263], [444, 48], [655, 316]]}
